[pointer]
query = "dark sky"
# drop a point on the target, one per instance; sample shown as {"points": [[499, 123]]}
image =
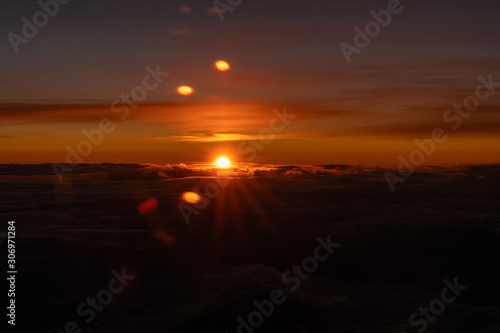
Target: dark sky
{"points": [[93, 49]]}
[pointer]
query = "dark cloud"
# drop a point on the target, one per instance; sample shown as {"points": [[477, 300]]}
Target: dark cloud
{"points": [[397, 248]]}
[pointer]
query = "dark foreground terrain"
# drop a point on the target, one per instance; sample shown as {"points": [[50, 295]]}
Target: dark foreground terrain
{"points": [[120, 238]]}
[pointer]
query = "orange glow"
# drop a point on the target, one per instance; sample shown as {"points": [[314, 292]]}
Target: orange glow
{"points": [[222, 65], [185, 90], [191, 197], [223, 162], [175, 130]]}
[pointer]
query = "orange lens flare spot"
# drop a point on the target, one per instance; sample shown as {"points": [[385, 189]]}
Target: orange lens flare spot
{"points": [[185, 90], [147, 206], [191, 197], [222, 66], [223, 162]]}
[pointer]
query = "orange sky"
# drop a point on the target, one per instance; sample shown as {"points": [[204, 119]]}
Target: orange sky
{"points": [[183, 133]]}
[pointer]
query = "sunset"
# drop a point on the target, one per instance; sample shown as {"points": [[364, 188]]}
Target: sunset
{"points": [[250, 166], [223, 162]]}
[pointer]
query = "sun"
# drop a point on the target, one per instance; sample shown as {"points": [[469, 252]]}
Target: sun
{"points": [[222, 66], [223, 162]]}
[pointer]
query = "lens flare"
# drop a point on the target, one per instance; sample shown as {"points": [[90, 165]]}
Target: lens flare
{"points": [[185, 90], [147, 206], [191, 197], [222, 66]]}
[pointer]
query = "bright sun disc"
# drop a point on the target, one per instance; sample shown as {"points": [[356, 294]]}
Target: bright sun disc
{"points": [[223, 162], [222, 65], [185, 90]]}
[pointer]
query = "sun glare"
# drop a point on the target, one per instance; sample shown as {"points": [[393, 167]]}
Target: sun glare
{"points": [[185, 90], [223, 162], [222, 65]]}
